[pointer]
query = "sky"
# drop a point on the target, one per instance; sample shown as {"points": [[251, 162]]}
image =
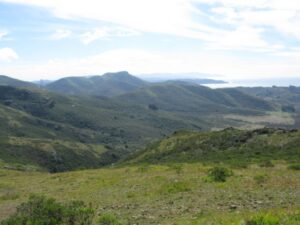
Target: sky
{"points": [[228, 39]]}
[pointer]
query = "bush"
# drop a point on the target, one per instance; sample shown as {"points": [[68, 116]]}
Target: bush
{"points": [[40, 210], [153, 107], [143, 168], [263, 220], [175, 187], [109, 219], [267, 164], [178, 168], [219, 174], [294, 167], [260, 179]]}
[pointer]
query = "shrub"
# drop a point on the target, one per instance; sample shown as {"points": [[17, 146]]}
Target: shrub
{"points": [[263, 220], [176, 187], [178, 168], [109, 219], [143, 168], [294, 167], [260, 179], [267, 164], [40, 210], [219, 174], [153, 107]]}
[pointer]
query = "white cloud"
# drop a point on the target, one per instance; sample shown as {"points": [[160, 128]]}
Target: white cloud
{"points": [[61, 34], [8, 55], [143, 62], [176, 17], [106, 33]]}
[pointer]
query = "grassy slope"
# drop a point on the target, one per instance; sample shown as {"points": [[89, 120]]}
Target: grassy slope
{"points": [[162, 194], [230, 145], [118, 124]]}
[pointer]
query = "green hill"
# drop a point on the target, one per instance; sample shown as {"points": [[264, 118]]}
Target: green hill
{"points": [[8, 81], [286, 99], [183, 97], [59, 132], [109, 84], [231, 146]]}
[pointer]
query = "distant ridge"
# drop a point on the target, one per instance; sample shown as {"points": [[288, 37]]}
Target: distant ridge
{"points": [[8, 81], [185, 97], [109, 84], [194, 78]]}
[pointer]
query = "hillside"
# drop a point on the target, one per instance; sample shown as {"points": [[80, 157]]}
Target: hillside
{"points": [[109, 84], [56, 132], [8, 81], [287, 99], [237, 147], [282, 95], [168, 194], [184, 97]]}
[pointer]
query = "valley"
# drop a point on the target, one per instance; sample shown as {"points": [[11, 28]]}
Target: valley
{"points": [[138, 112], [143, 153]]}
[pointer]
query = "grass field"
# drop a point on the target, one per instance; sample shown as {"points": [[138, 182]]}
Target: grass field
{"points": [[169, 194]]}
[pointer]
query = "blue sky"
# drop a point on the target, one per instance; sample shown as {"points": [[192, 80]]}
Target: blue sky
{"points": [[49, 39]]}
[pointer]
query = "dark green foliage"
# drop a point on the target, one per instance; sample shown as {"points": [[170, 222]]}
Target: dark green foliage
{"points": [[219, 174], [40, 210], [288, 108], [109, 219], [294, 167], [29, 101], [152, 107]]}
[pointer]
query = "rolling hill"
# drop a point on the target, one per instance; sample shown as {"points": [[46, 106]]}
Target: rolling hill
{"points": [[233, 146], [185, 97], [58, 132], [260, 188], [109, 84]]}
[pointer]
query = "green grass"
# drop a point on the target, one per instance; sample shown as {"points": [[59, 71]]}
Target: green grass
{"points": [[161, 195]]}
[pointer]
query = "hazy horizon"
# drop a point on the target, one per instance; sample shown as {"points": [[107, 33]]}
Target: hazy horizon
{"points": [[160, 77], [239, 40]]}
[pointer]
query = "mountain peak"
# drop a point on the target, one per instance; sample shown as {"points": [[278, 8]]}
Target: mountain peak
{"points": [[118, 75], [109, 84]]}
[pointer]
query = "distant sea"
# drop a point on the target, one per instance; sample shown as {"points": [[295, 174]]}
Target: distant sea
{"points": [[281, 82]]}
